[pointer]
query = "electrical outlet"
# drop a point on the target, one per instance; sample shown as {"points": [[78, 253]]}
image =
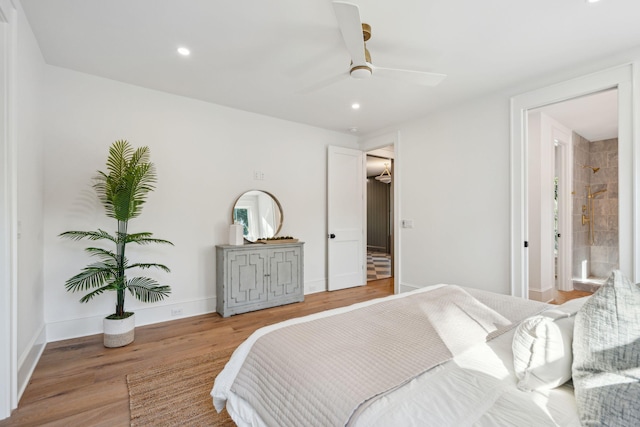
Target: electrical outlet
{"points": [[176, 311]]}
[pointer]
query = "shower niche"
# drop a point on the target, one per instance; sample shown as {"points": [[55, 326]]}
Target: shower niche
{"points": [[595, 211]]}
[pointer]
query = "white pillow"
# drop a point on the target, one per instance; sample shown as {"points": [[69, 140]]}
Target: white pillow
{"points": [[542, 354]]}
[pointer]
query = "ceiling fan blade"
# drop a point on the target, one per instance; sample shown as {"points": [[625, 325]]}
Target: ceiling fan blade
{"points": [[348, 16], [422, 78], [323, 83]]}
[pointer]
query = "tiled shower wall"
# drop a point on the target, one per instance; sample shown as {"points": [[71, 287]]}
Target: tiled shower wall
{"points": [[603, 255]]}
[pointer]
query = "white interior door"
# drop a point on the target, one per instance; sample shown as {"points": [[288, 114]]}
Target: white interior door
{"points": [[346, 258]]}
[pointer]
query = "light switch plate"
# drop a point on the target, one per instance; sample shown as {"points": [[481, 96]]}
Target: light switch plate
{"points": [[407, 223]]}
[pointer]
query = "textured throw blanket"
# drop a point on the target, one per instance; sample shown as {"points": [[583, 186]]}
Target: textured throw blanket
{"points": [[324, 371]]}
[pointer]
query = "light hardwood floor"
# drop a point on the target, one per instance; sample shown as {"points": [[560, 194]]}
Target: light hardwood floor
{"points": [[564, 296], [78, 382]]}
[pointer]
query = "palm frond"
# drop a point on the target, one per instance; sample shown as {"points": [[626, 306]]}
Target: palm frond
{"points": [[92, 276], [144, 173], [91, 235], [100, 185], [143, 234], [88, 297], [117, 163], [144, 178], [145, 265], [140, 156], [107, 185], [122, 201], [148, 290], [141, 182], [130, 178], [145, 239], [102, 253]]}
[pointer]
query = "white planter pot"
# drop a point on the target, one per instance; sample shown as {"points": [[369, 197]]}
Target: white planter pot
{"points": [[119, 332]]}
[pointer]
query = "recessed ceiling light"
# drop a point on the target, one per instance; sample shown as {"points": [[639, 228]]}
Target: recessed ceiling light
{"points": [[593, 1], [355, 106], [353, 130], [184, 51]]}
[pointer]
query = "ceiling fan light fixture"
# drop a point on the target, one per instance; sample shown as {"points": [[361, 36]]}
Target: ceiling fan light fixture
{"points": [[361, 72], [384, 179]]}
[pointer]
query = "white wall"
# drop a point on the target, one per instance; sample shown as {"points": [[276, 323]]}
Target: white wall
{"points": [[455, 187], [30, 290], [205, 157]]}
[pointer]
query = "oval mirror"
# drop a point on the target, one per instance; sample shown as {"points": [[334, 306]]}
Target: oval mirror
{"points": [[259, 213]]}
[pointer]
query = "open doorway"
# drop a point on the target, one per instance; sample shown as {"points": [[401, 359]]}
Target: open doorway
{"points": [[581, 140], [620, 77], [380, 218]]}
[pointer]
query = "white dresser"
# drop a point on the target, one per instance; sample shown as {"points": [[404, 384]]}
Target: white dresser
{"points": [[256, 276]]}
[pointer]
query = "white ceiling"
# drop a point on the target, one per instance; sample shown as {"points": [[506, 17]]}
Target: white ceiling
{"points": [[260, 56]]}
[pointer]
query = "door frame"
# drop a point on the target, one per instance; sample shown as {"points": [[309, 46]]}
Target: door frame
{"points": [[8, 212], [625, 78], [373, 143]]}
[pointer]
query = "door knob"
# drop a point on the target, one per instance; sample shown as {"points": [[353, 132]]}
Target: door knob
{"points": [[332, 236]]}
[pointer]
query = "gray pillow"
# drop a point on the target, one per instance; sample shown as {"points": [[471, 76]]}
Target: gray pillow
{"points": [[606, 355]]}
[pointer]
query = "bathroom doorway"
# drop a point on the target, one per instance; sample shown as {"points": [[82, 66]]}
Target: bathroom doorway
{"points": [[589, 225], [620, 77], [380, 220]]}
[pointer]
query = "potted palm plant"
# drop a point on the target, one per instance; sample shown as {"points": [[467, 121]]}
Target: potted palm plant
{"points": [[122, 191]]}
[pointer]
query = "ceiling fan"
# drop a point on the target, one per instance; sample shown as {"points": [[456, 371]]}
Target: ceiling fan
{"points": [[355, 35]]}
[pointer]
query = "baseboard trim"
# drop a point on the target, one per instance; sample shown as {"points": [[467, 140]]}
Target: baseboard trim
{"points": [[67, 329], [407, 287], [81, 327], [543, 296], [315, 286], [29, 359]]}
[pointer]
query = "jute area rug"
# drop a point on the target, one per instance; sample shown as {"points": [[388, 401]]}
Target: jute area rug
{"points": [[178, 394]]}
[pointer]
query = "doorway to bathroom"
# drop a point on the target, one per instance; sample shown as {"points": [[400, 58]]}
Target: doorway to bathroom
{"points": [[379, 165], [620, 77], [585, 234]]}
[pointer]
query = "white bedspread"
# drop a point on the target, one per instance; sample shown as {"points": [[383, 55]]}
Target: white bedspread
{"points": [[476, 388]]}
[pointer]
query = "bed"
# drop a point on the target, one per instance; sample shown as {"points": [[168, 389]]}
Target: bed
{"points": [[438, 356]]}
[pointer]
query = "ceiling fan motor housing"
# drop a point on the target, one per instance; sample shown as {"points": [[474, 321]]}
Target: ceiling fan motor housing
{"points": [[366, 31], [361, 72], [356, 34]]}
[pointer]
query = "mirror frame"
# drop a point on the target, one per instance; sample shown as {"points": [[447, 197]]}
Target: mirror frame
{"points": [[275, 200]]}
